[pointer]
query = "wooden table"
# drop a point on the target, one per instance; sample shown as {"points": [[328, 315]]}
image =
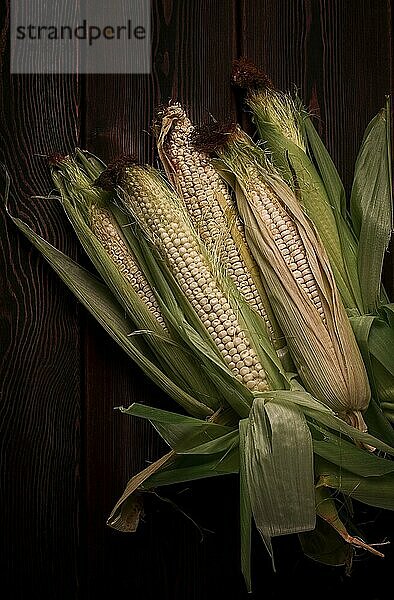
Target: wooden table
{"points": [[65, 453]]}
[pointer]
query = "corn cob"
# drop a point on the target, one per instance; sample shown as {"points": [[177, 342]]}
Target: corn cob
{"points": [[114, 249], [74, 183], [285, 234], [302, 289], [145, 195], [211, 208], [107, 232]]}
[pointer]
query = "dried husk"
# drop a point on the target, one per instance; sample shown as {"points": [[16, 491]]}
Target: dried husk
{"points": [[326, 355]]}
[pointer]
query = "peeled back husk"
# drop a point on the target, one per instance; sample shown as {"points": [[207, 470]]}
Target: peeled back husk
{"points": [[319, 334], [327, 356]]}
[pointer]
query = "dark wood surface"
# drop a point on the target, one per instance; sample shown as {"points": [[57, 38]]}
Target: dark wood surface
{"points": [[65, 453]]}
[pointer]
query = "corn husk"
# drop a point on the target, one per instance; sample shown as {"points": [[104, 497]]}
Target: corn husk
{"points": [[363, 223], [283, 125], [330, 348], [255, 434]]}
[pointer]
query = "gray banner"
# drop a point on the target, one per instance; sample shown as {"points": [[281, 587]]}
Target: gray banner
{"points": [[80, 36]]}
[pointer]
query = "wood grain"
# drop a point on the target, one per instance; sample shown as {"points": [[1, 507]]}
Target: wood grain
{"points": [[65, 453], [40, 388]]}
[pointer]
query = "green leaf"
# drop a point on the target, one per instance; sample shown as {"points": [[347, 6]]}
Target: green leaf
{"points": [[388, 310], [325, 165], [325, 545], [375, 338], [374, 491], [190, 467], [361, 325], [343, 453], [337, 198], [378, 424], [245, 508], [371, 206], [381, 344], [279, 467], [184, 434], [324, 415]]}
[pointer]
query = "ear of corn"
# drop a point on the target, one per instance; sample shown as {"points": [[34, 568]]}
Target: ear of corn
{"points": [[89, 210], [106, 230], [363, 222], [162, 217], [300, 281], [87, 204], [211, 208], [279, 118]]}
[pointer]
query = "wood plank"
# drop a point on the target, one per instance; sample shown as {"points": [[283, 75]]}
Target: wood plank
{"points": [[329, 50], [119, 111], [39, 379]]}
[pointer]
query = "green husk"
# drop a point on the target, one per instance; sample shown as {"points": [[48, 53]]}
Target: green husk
{"points": [[78, 193], [375, 337], [279, 120], [330, 349], [371, 205], [279, 470], [374, 491], [184, 434]]}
